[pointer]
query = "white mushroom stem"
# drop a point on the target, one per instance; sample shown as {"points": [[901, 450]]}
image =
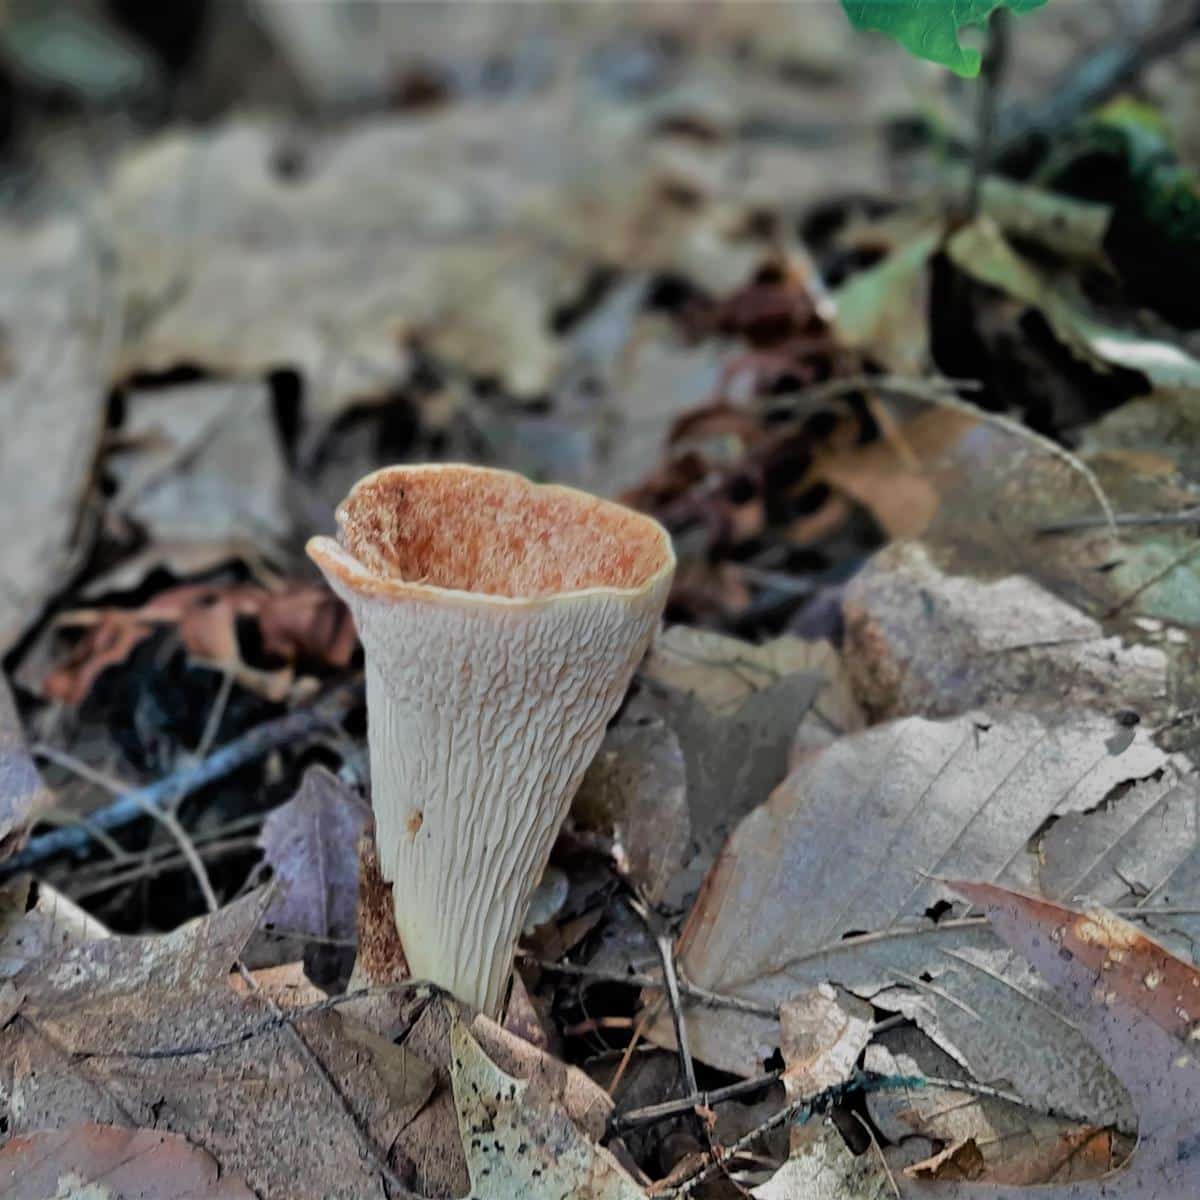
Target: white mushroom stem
{"points": [[501, 623]]}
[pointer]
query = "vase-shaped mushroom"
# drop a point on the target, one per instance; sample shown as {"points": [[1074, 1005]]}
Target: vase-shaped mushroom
{"points": [[501, 623]]}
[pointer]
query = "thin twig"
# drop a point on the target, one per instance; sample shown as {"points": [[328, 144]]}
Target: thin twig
{"points": [[213, 725], [165, 816], [132, 805], [804, 1107], [883, 1162], [279, 1019], [651, 1114], [995, 60], [1096, 77], [1158, 576], [700, 995], [666, 948], [1185, 516], [148, 869]]}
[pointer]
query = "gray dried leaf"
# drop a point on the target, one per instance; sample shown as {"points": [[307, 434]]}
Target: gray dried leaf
{"points": [[23, 795], [311, 843], [839, 868], [148, 1031], [1000, 643], [56, 330]]}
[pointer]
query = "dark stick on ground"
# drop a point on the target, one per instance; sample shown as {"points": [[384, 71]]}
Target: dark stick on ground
{"points": [[1099, 76], [74, 839], [995, 60]]}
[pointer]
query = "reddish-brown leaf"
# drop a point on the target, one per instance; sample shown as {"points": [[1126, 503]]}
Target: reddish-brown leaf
{"points": [[104, 1160], [1139, 1005], [302, 627]]}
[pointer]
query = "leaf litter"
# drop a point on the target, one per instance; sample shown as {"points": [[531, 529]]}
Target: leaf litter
{"points": [[913, 650]]}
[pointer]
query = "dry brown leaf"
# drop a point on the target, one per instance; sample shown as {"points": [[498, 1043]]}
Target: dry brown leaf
{"points": [[963, 1160], [1137, 1004], [893, 478], [23, 795], [86, 1162], [1001, 643], [147, 1030], [839, 869], [302, 625], [311, 844], [57, 326], [822, 1033]]}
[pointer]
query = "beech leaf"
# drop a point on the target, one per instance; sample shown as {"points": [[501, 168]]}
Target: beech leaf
{"points": [[1138, 1005]]}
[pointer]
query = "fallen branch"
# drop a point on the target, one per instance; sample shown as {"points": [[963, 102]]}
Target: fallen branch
{"points": [[75, 839]]}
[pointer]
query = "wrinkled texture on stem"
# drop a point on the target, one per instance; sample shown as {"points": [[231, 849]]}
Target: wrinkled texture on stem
{"points": [[501, 622]]}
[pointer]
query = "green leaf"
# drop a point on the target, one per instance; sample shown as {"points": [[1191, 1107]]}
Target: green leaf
{"points": [[929, 28]]}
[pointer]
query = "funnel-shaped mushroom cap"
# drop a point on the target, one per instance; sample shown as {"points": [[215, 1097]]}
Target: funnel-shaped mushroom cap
{"points": [[501, 622]]}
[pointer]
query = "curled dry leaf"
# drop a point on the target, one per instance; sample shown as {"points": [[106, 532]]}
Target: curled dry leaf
{"points": [[302, 625], [981, 250], [1138, 1005], [91, 1160], [1000, 643], [853, 841], [895, 478], [636, 791], [522, 1145], [23, 795], [735, 709], [29, 931], [882, 311], [311, 844], [822, 1033]]}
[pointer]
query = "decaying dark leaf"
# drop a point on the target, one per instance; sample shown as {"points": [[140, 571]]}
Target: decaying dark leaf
{"points": [[91, 1161], [636, 791]]}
